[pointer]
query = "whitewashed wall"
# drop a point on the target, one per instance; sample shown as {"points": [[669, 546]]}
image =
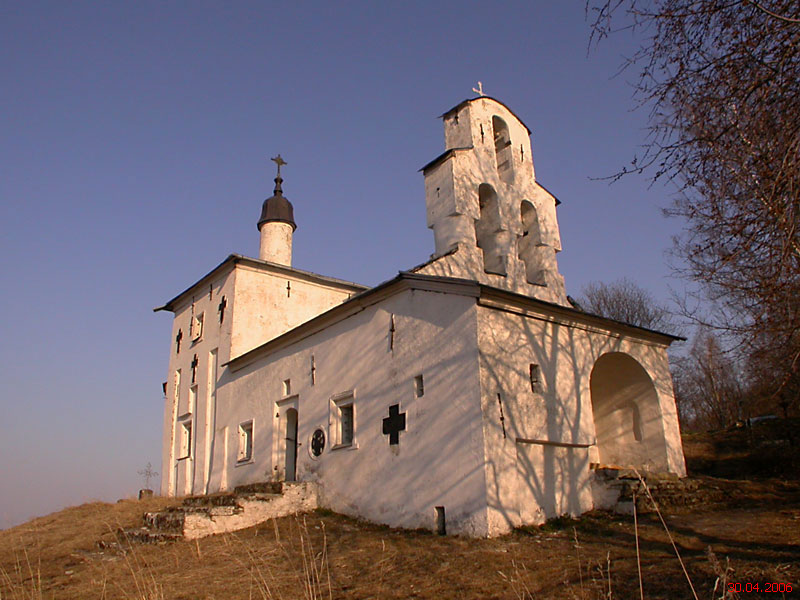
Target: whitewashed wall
{"points": [[439, 460], [258, 308], [528, 481], [186, 475]]}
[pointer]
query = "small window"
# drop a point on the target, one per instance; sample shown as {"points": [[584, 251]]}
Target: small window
{"points": [[186, 439], [346, 424], [197, 327], [317, 444], [343, 421], [441, 522], [536, 379], [245, 441], [287, 387], [419, 386]]}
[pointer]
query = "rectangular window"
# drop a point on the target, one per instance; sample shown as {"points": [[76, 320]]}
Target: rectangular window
{"points": [[287, 387], [245, 441], [419, 386], [346, 416], [343, 420], [536, 379], [186, 440], [197, 327]]}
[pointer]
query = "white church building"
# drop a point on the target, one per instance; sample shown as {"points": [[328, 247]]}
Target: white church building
{"points": [[467, 390]]}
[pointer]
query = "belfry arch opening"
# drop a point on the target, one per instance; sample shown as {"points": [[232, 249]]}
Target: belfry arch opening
{"points": [[627, 418], [530, 223], [503, 150], [529, 243], [488, 231]]}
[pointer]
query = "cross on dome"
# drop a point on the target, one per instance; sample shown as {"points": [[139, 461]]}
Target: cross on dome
{"points": [[280, 162]]}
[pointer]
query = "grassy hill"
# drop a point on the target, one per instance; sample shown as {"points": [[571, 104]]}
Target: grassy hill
{"points": [[752, 530]]}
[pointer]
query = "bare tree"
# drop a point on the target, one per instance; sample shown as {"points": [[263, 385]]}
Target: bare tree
{"points": [[625, 301], [721, 79], [709, 389]]}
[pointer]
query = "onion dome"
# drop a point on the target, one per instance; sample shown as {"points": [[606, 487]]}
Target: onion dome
{"points": [[277, 208]]}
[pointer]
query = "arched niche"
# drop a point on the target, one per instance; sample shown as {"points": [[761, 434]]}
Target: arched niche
{"points": [[488, 231], [627, 418], [290, 455], [503, 150], [530, 222], [530, 249]]}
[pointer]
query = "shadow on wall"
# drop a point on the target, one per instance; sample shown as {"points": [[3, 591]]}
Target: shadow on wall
{"points": [[627, 418], [588, 388]]}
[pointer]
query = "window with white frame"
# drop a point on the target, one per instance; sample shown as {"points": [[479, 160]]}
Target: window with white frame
{"points": [[343, 420], [197, 326], [245, 441]]}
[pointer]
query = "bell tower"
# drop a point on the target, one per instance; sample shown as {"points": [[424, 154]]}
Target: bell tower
{"points": [[276, 224], [491, 221]]}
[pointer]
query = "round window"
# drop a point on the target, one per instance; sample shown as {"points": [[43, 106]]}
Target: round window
{"points": [[317, 442]]}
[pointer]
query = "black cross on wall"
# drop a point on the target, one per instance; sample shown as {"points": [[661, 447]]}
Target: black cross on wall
{"points": [[394, 424], [178, 339], [194, 368], [221, 309]]}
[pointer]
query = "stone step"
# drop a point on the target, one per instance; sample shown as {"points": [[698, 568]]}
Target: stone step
{"points": [[143, 535], [264, 487], [246, 506], [174, 518], [165, 520], [258, 496], [666, 494], [223, 499]]}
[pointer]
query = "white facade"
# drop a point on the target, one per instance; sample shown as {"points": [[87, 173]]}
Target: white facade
{"points": [[467, 393]]}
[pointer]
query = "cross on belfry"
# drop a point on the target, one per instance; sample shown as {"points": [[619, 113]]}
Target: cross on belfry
{"points": [[221, 309], [178, 339], [394, 424], [194, 368], [479, 89], [280, 162]]}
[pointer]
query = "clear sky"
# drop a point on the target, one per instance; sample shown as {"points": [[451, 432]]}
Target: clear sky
{"points": [[134, 146]]}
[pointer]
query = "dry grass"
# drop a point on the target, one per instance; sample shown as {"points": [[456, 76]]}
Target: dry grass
{"points": [[754, 537], [327, 556]]}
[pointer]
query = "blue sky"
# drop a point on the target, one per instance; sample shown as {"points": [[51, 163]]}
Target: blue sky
{"points": [[134, 146]]}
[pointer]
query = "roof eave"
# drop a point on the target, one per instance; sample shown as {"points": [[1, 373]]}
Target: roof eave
{"points": [[458, 107]]}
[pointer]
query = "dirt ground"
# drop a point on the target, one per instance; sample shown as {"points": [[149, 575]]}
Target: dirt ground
{"points": [[751, 536]]}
